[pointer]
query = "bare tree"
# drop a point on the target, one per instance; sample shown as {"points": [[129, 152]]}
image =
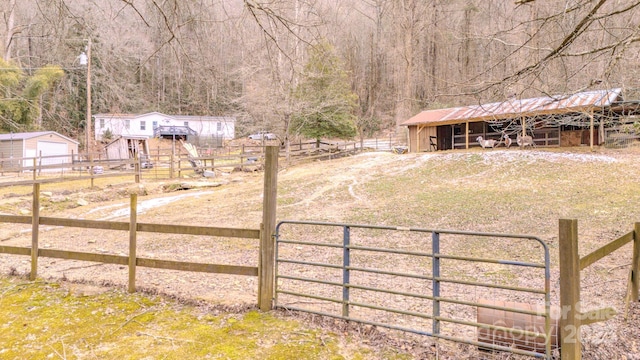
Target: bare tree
{"points": [[244, 58]]}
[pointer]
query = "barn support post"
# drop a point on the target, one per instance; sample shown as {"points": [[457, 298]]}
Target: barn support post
{"points": [[569, 259], [635, 264], [133, 221], [266, 264], [591, 130], [453, 137], [35, 223], [466, 135]]}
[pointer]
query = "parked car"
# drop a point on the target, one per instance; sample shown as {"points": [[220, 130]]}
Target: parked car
{"points": [[263, 134]]}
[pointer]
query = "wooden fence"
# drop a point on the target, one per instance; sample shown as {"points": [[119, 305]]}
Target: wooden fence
{"points": [[241, 157], [313, 150], [175, 162], [570, 266], [157, 165], [57, 168], [266, 257]]}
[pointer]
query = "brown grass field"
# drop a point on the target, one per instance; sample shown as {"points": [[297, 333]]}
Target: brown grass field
{"points": [[498, 191]]}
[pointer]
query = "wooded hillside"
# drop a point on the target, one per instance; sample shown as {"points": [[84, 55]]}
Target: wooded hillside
{"points": [[248, 58]]}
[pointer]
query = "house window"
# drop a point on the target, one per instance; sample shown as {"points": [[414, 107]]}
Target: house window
{"points": [[127, 124], [219, 126], [101, 123], [155, 124], [143, 125], [186, 123]]}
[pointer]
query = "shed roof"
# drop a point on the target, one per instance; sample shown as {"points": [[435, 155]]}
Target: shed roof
{"points": [[512, 108], [125, 137], [31, 135]]}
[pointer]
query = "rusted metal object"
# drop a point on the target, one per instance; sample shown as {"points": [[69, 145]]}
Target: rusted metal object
{"points": [[509, 326], [516, 108]]}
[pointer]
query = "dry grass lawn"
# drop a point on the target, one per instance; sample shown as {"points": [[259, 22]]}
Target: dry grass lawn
{"points": [[502, 191]]}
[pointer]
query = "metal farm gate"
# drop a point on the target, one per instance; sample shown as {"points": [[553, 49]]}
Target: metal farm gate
{"points": [[489, 291]]}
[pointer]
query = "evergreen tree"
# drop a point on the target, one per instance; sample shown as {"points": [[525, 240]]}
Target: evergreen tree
{"points": [[325, 101]]}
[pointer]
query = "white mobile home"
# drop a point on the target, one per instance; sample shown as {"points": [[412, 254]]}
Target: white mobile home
{"points": [[156, 124]]}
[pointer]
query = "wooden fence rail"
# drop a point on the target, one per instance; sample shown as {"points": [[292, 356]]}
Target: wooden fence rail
{"points": [[60, 168], [133, 227], [266, 257], [570, 266], [163, 163]]}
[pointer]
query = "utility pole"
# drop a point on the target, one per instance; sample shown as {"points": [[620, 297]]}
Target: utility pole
{"points": [[88, 121]]}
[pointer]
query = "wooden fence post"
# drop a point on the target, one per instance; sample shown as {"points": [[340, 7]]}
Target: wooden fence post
{"points": [[35, 223], [35, 163], [133, 217], [635, 264], [136, 168], [266, 266], [569, 260], [91, 168], [171, 166], [40, 164]]}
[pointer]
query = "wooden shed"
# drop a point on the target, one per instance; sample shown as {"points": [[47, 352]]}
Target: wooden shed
{"points": [[128, 147], [50, 146], [562, 120]]}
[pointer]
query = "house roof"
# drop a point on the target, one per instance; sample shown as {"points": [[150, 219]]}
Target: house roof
{"points": [[174, 117], [31, 135], [513, 108]]}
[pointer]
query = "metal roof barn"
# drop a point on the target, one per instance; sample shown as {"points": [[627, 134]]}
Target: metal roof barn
{"points": [[516, 108], [558, 120]]}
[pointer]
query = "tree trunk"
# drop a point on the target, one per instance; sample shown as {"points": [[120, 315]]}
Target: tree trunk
{"points": [[10, 30]]}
